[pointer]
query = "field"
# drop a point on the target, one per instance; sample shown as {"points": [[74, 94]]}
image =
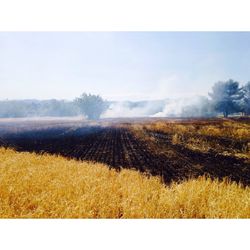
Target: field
{"points": [[172, 149], [192, 159], [44, 186]]}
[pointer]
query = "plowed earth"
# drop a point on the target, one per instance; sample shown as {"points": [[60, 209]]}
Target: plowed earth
{"points": [[120, 148]]}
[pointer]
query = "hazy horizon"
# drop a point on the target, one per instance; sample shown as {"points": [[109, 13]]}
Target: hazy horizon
{"points": [[119, 66]]}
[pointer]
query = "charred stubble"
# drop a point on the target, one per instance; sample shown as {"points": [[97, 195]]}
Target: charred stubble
{"points": [[120, 148]]}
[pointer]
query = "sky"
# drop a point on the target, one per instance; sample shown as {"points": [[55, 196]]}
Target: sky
{"points": [[120, 65]]}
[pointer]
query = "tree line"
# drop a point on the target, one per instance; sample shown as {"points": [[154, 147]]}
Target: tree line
{"points": [[226, 98], [229, 98], [91, 106], [32, 108]]}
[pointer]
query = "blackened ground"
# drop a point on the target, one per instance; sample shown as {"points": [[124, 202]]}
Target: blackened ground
{"points": [[118, 147], [210, 163]]}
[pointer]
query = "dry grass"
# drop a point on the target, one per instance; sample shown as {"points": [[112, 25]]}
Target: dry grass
{"points": [[230, 129], [223, 128], [36, 186], [192, 134], [176, 139], [169, 127]]}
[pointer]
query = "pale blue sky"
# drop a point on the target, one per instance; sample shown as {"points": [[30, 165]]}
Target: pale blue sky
{"points": [[119, 65]]}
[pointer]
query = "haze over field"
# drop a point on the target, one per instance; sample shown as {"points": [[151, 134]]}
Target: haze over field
{"points": [[164, 71], [119, 65]]}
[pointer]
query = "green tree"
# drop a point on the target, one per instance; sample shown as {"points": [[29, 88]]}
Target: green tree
{"points": [[92, 106], [226, 97], [245, 103]]}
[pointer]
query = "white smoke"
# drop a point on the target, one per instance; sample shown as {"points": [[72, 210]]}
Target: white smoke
{"points": [[172, 108], [176, 107], [179, 107], [129, 109]]}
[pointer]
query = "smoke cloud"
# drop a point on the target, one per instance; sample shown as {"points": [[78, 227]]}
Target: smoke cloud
{"points": [[196, 106], [134, 109]]}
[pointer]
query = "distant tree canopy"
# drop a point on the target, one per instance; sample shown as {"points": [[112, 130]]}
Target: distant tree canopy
{"points": [[226, 97], [245, 103], [92, 106], [32, 108]]}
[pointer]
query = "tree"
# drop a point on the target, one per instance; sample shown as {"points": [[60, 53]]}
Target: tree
{"points": [[91, 106], [245, 103], [226, 97]]}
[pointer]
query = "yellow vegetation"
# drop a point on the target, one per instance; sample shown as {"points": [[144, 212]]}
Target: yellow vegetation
{"points": [[231, 129], [169, 127], [228, 128], [176, 139], [210, 130], [43, 186], [192, 134]]}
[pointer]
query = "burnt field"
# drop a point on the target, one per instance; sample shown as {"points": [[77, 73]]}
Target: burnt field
{"points": [[173, 150]]}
